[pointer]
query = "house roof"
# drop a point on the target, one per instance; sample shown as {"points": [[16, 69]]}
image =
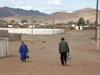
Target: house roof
{"points": [[18, 24], [61, 24]]}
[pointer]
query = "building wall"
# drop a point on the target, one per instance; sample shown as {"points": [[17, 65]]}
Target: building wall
{"points": [[35, 31]]}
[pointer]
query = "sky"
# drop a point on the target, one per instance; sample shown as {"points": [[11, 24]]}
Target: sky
{"points": [[49, 6]]}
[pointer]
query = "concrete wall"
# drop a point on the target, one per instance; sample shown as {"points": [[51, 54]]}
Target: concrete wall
{"points": [[35, 31], [3, 31], [12, 37], [15, 37]]}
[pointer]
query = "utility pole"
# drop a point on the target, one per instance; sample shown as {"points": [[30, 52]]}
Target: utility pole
{"points": [[53, 25], [6, 20], [61, 25], [2, 21], [61, 21], [98, 38], [46, 21], [96, 20], [32, 25], [45, 26], [91, 20]]}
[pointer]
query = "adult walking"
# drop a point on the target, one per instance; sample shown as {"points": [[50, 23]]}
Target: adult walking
{"points": [[63, 50], [23, 51]]}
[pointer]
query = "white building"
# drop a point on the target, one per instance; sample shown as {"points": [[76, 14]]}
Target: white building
{"points": [[30, 26], [10, 26], [73, 25], [79, 28]]}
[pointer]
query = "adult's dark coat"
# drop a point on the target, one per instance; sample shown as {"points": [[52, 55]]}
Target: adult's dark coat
{"points": [[63, 47]]}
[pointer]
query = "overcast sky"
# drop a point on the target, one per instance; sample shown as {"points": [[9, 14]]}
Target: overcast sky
{"points": [[49, 6]]}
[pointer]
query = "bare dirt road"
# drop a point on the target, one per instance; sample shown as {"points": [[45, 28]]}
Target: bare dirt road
{"points": [[45, 58]]}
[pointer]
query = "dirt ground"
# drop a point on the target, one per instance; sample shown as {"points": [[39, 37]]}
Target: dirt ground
{"points": [[45, 58]]}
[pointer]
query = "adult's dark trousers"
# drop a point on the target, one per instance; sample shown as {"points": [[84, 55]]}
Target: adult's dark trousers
{"points": [[63, 57]]}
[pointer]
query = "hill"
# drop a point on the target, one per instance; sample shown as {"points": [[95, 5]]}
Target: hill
{"points": [[6, 11], [86, 13], [58, 17]]}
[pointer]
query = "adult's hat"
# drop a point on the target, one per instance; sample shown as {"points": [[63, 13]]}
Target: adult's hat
{"points": [[62, 38]]}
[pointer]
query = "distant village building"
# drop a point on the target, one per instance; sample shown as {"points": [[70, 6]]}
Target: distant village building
{"points": [[0, 25], [79, 27], [18, 25], [10, 26], [71, 22], [61, 24], [3, 23], [43, 24], [85, 26], [73, 25], [30, 26]]}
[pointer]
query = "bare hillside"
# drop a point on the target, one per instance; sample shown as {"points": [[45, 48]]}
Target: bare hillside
{"points": [[87, 14]]}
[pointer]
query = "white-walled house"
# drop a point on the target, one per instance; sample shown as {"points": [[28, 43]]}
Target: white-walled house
{"points": [[10, 26], [73, 25], [30, 26], [79, 27]]}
